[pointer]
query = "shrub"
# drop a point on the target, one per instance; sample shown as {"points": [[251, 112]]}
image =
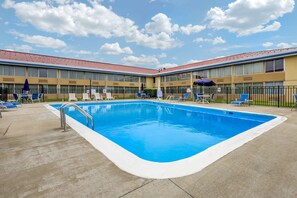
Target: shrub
{"points": [[152, 92]]}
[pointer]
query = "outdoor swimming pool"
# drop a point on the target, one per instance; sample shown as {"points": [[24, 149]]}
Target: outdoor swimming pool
{"points": [[162, 133]]}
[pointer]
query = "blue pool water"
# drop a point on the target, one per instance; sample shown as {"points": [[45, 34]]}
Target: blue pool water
{"points": [[165, 132]]}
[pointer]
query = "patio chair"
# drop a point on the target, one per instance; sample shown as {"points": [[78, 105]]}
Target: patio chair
{"points": [[197, 97], [184, 97], [295, 102], [243, 100], [34, 97], [97, 97], [72, 97], [109, 97], [86, 97], [6, 105], [138, 95]]}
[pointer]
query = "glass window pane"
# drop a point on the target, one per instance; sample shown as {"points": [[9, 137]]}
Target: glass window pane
{"points": [[227, 71], [20, 71], [279, 65], [213, 73], [248, 69], [238, 70], [8, 71], [52, 89], [64, 74], [64, 89], [42, 73], [258, 67], [269, 66], [1, 70], [52, 73], [72, 74], [32, 72]]}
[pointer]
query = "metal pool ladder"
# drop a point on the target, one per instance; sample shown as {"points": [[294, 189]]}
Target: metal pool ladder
{"points": [[63, 117]]}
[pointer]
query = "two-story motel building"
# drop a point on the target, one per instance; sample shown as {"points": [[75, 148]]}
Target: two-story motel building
{"points": [[59, 76]]}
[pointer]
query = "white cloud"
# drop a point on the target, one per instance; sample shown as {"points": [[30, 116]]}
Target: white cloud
{"points": [[163, 55], [214, 41], [218, 40], [79, 19], [78, 52], [20, 48], [286, 45], [245, 17], [41, 41], [143, 60], [114, 48], [166, 65], [267, 44], [190, 29], [161, 23], [192, 61]]}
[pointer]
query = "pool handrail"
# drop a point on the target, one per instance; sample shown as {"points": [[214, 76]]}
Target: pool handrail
{"points": [[63, 117]]}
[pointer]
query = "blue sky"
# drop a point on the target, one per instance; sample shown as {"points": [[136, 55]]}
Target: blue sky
{"points": [[147, 33]]}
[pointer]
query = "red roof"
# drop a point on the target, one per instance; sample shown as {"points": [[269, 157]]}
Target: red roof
{"points": [[232, 58], [68, 62]]}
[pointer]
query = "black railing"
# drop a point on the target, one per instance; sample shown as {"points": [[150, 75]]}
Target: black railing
{"points": [[279, 96]]}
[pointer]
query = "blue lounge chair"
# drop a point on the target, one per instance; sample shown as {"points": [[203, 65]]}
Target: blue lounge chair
{"points": [[6, 105], [184, 97], [138, 95], [295, 102], [35, 97], [197, 97], [244, 99]]}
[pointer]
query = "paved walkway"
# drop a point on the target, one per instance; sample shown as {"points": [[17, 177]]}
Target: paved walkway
{"points": [[37, 159]]}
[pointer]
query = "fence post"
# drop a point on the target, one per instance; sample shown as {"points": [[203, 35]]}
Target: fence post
{"points": [[278, 96], [227, 94]]}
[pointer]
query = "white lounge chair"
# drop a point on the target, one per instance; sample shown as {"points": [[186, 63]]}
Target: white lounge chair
{"points": [[97, 97], [72, 97], [86, 97], [109, 97]]}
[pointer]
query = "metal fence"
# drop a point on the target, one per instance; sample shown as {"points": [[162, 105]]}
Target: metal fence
{"points": [[279, 96]]}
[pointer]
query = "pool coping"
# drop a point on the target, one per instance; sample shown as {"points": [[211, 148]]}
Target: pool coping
{"points": [[130, 163]]}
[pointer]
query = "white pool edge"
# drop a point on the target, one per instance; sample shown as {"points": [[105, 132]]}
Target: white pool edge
{"points": [[147, 169]]}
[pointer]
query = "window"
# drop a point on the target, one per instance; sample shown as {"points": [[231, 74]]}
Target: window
{"points": [[258, 67], [131, 78], [52, 73], [42, 73], [64, 74], [20, 71], [8, 71], [238, 70], [248, 69], [1, 70], [163, 78], [32, 72], [52, 89], [201, 74], [80, 75], [275, 65], [116, 77], [213, 73], [269, 66], [64, 89], [72, 74], [143, 79], [279, 65], [272, 87], [131, 90]]}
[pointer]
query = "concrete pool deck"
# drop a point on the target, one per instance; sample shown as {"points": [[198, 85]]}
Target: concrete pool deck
{"points": [[38, 159]]}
